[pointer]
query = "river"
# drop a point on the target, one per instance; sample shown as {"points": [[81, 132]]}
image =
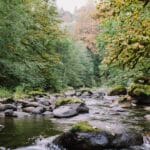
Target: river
{"points": [[37, 132]]}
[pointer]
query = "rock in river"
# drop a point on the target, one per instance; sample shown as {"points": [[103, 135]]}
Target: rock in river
{"points": [[70, 110], [10, 113], [83, 136]]}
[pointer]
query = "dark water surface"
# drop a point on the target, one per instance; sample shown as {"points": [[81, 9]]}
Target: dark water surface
{"points": [[23, 132]]}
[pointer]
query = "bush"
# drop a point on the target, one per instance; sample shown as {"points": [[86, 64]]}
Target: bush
{"points": [[5, 93], [20, 93]]}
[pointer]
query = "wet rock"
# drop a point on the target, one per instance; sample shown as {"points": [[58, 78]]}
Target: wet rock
{"points": [[10, 106], [21, 114], [44, 102], [48, 114], [147, 117], [84, 141], [30, 104], [38, 110], [2, 114], [140, 92], [97, 140], [66, 111], [29, 109], [147, 108], [83, 108], [69, 110], [10, 113], [127, 139], [2, 107], [118, 90]]}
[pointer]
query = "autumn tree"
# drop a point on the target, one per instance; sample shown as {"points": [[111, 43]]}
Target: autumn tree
{"points": [[125, 39], [86, 27]]}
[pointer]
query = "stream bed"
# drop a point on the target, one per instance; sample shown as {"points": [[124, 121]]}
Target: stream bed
{"points": [[36, 133]]}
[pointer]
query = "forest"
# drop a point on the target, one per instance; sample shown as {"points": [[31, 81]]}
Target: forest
{"points": [[36, 53], [47, 51]]}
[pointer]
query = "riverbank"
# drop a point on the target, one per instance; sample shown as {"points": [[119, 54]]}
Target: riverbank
{"points": [[105, 112]]}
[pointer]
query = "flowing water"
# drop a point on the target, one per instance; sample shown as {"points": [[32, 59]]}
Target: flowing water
{"points": [[24, 132], [38, 132]]}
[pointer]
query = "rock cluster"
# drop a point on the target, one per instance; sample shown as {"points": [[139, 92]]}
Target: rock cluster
{"points": [[85, 137]]}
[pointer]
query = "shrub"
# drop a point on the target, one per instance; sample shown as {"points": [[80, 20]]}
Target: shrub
{"points": [[5, 93]]}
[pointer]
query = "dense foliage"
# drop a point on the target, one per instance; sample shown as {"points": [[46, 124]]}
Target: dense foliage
{"points": [[124, 41], [35, 52]]}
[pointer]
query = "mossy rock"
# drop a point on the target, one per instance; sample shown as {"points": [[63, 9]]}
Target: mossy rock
{"points": [[140, 92], [83, 127], [65, 101], [118, 90]]}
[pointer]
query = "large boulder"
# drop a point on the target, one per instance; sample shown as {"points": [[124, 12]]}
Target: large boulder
{"points": [[84, 136], [140, 92], [118, 90], [70, 110]]}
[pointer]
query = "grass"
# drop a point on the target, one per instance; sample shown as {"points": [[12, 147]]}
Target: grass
{"points": [[20, 93]]}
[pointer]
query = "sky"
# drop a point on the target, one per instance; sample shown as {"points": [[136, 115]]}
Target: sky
{"points": [[70, 5]]}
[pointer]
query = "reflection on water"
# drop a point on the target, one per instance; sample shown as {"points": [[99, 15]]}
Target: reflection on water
{"points": [[22, 132]]}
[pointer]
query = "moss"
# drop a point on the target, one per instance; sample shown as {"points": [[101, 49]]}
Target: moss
{"points": [[83, 127], [139, 90], [64, 101], [118, 90]]}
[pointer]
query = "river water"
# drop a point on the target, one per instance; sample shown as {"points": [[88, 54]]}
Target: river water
{"points": [[36, 133]]}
